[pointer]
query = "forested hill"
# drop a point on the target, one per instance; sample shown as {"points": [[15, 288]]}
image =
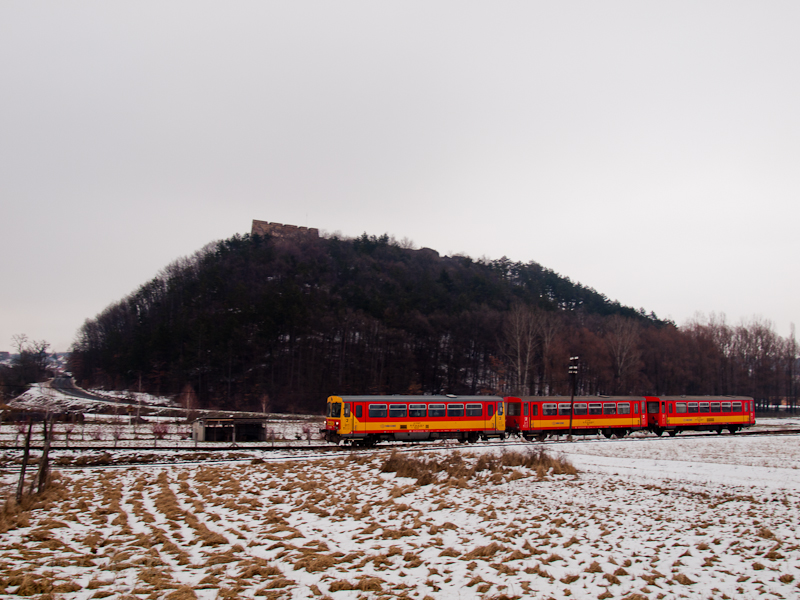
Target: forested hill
{"points": [[256, 322]]}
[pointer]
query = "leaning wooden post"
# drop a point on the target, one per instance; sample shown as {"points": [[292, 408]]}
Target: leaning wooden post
{"points": [[25, 455], [44, 463]]}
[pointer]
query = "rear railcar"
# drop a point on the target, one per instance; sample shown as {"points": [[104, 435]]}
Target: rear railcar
{"points": [[366, 420], [673, 414], [542, 416]]}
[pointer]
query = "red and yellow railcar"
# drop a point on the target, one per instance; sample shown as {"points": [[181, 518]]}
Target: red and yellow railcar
{"points": [[540, 416], [365, 420], [673, 414]]}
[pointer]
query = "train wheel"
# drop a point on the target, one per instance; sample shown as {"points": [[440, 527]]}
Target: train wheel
{"points": [[673, 432], [658, 432], [719, 430], [607, 433], [542, 436], [733, 429], [472, 438]]}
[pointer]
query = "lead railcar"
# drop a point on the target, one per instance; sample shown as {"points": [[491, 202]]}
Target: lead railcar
{"points": [[365, 420]]}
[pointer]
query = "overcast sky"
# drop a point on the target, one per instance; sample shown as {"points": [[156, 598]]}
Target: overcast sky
{"points": [[648, 150]]}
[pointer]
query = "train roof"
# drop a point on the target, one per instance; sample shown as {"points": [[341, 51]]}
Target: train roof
{"points": [[400, 398], [704, 398], [578, 398]]}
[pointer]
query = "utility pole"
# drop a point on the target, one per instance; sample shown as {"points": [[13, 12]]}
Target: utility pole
{"points": [[573, 373]]}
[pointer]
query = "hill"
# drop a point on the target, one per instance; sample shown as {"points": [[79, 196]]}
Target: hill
{"points": [[279, 323]]}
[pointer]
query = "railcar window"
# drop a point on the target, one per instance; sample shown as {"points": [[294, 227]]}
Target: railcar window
{"points": [[623, 408], [436, 410], [714, 406], [549, 409], [726, 407], [490, 410], [704, 407], [513, 409], [563, 409], [652, 408], [398, 411], [636, 408], [417, 411], [680, 407], [359, 411], [455, 410], [346, 410], [596, 409], [737, 407], [534, 409], [670, 407], [609, 408], [474, 410], [692, 407], [499, 409], [377, 411], [525, 408], [580, 408]]}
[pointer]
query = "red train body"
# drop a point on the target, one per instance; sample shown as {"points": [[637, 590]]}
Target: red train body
{"points": [[541, 416]]}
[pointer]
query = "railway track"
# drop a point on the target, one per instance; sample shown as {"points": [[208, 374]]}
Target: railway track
{"points": [[174, 455]]}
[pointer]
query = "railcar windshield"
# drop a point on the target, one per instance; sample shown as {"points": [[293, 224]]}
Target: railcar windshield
{"points": [[652, 408], [334, 409], [514, 409]]}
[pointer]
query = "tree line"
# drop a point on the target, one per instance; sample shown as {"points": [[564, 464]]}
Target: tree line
{"points": [[256, 322]]}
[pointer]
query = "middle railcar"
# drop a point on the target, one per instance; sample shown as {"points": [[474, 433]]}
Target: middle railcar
{"points": [[365, 420], [540, 416]]}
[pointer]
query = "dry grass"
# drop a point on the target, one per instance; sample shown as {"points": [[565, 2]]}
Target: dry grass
{"points": [[455, 469]]}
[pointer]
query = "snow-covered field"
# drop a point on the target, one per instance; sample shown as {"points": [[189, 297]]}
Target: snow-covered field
{"points": [[711, 517]]}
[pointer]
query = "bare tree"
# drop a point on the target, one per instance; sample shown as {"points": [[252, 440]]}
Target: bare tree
{"points": [[520, 332], [549, 328], [622, 337]]}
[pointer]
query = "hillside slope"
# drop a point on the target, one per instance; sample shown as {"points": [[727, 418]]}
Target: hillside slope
{"points": [[268, 323]]}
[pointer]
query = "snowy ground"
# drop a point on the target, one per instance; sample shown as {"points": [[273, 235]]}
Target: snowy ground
{"points": [[707, 517]]}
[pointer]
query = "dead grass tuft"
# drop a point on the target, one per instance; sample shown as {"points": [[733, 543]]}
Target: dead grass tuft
{"points": [[594, 568], [765, 533], [683, 579], [484, 552], [182, 593]]}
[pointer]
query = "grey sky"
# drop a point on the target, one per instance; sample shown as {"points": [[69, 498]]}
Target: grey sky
{"points": [[651, 151]]}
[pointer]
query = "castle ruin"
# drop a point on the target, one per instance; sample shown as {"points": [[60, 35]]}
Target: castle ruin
{"points": [[281, 231]]}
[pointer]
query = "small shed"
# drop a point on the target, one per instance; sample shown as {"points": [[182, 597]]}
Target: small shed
{"points": [[229, 430]]}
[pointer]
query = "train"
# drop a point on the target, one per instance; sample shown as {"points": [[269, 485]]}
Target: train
{"points": [[367, 420]]}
